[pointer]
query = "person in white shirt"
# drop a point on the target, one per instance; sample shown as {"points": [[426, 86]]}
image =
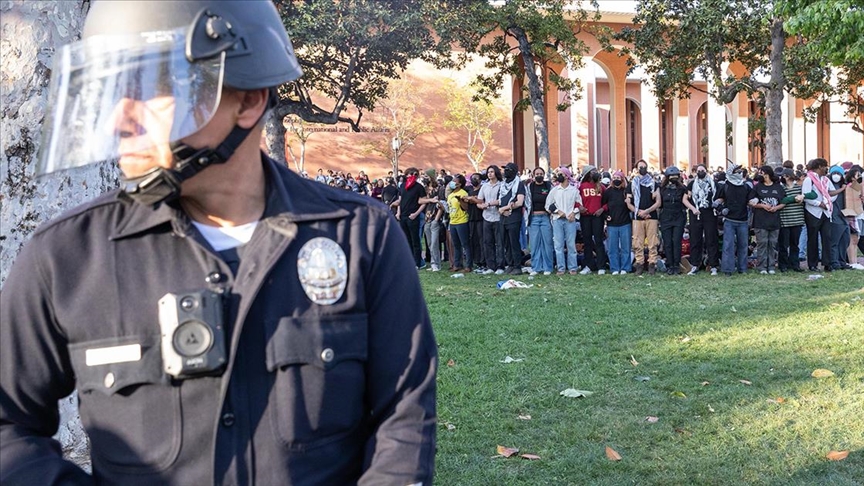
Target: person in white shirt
{"points": [[561, 204], [818, 214]]}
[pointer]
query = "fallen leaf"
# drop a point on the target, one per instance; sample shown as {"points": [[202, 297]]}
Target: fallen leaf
{"points": [[451, 363], [439, 289], [681, 431], [508, 359], [734, 309], [710, 409], [837, 455], [530, 457], [572, 393], [706, 383], [633, 361], [685, 339], [745, 382], [506, 451], [651, 420], [450, 426], [776, 400], [524, 417], [612, 454], [678, 394], [822, 373], [642, 378]]}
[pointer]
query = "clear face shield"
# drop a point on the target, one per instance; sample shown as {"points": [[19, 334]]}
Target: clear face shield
{"points": [[126, 96]]}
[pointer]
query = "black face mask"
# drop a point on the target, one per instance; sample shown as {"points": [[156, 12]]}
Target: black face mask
{"points": [[509, 174], [701, 174], [560, 178], [538, 179], [617, 182], [643, 170], [475, 182], [674, 179]]}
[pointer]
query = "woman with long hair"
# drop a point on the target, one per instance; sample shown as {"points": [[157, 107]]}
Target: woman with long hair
{"points": [[673, 203], [591, 192], [766, 218], [619, 205], [458, 205]]}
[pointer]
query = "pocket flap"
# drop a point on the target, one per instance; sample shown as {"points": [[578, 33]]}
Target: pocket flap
{"points": [[110, 365], [323, 341]]}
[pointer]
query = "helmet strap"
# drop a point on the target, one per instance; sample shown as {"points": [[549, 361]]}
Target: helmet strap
{"points": [[160, 185]]}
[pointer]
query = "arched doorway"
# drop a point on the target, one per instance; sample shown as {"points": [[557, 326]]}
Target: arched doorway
{"points": [[702, 134]]}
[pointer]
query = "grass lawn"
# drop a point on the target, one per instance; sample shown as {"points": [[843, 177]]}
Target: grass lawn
{"points": [[724, 364]]}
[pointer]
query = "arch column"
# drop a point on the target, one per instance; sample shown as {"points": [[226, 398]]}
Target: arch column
{"points": [[616, 68], [579, 110], [681, 155], [650, 128], [716, 133]]}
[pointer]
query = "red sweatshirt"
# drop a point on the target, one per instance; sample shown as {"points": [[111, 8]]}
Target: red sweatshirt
{"points": [[591, 196]]}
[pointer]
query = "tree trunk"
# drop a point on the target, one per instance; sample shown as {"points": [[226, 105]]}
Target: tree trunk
{"points": [[32, 31], [774, 97], [274, 134], [535, 94]]}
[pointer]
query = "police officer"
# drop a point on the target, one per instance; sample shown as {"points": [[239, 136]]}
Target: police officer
{"points": [[223, 319]]}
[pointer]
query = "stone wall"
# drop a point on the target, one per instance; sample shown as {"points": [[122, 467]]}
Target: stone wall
{"points": [[31, 32]]}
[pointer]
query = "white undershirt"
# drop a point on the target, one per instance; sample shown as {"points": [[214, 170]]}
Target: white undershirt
{"points": [[226, 237]]}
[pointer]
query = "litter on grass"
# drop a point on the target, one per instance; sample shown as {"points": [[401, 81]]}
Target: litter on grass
{"points": [[512, 284]]}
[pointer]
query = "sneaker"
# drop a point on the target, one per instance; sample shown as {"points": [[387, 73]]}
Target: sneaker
{"points": [[764, 272], [693, 271], [547, 272], [488, 271], [532, 273], [601, 272], [435, 268], [585, 271], [714, 271], [771, 272], [623, 272], [500, 271], [479, 270], [615, 273], [421, 267]]}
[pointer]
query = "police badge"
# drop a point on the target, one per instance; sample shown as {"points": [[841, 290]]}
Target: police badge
{"points": [[323, 270]]}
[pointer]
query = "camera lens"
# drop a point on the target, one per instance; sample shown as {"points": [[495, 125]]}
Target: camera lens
{"points": [[192, 338], [188, 303]]}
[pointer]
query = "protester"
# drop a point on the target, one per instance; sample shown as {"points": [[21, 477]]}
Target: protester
{"points": [[620, 206], [562, 204], [840, 230], [734, 198], [766, 219], [539, 225], [704, 236], [818, 215], [591, 192], [646, 200], [854, 212], [791, 223], [493, 230], [458, 206], [409, 210], [512, 199], [673, 218], [475, 223], [432, 227]]}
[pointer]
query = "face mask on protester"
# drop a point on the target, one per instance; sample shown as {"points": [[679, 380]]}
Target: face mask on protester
{"points": [[674, 179], [617, 182], [836, 178], [509, 174], [538, 179], [701, 174], [643, 170], [452, 185], [560, 178]]}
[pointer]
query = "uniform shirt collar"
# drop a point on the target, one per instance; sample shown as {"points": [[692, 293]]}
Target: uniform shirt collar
{"points": [[290, 199]]}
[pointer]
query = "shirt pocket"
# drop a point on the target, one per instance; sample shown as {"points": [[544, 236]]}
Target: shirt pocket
{"points": [[317, 366], [130, 409]]}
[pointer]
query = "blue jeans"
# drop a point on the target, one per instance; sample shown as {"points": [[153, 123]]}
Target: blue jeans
{"points": [[620, 239], [735, 236], [564, 232], [459, 235], [540, 239]]}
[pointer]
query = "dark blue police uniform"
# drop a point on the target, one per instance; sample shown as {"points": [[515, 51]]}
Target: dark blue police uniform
{"points": [[313, 393]]}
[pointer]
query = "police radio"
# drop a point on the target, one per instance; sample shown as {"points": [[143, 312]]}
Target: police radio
{"points": [[193, 334]]}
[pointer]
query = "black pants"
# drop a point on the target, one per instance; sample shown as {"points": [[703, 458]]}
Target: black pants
{"points": [[787, 248], [493, 244], [411, 227], [475, 236], [821, 228], [704, 235], [512, 247], [673, 233], [592, 240]]}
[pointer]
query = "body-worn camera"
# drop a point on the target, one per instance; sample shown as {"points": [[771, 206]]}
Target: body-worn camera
{"points": [[193, 334]]}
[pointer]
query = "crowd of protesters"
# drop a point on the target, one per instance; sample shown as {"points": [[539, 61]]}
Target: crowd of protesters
{"points": [[769, 219]]}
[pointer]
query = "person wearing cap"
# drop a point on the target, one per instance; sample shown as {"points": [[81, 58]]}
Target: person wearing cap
{"points": [[673, 217], [620, 206], [734, 199], [512, 200], [646, 200], [224, 320], [704, 235], [592, 221]]}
